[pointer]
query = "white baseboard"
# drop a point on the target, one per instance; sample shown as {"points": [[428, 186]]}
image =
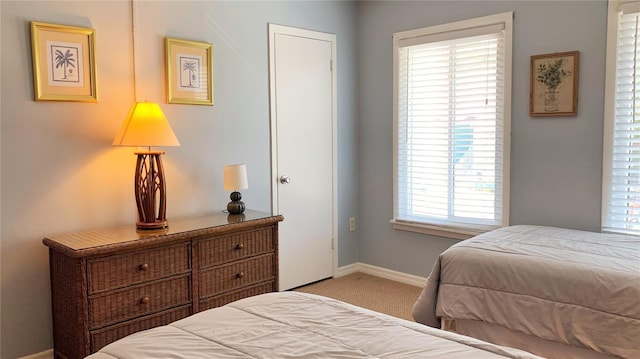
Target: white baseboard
{"points": [[382, 273], [47, 354], [346, 270], [341, 272]]}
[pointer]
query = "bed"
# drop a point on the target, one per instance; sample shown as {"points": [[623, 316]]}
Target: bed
{"points": [[300, 325], [555, 292]]}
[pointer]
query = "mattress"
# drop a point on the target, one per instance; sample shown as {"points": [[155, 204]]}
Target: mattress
{"points": [[298, 325], [577, 288]]}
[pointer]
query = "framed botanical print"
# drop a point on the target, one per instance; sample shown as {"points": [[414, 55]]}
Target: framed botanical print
{"points": [[189, 70], [554, 84], [64, 63]]}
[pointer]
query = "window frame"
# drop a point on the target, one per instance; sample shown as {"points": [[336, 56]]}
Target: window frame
{"points": [[462, 231], [609, 110]]}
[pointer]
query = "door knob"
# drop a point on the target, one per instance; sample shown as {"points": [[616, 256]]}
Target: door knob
{"points": [[284, 179]]}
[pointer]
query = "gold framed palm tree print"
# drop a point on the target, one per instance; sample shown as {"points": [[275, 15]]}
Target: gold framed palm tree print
{"points": [[189, 69], [64, 62]]}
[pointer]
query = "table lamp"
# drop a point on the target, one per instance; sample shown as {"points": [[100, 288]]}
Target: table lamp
{"points": [[235, 178], [146, 126]]}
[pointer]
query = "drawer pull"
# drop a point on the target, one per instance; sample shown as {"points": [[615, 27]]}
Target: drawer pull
{"points": [[144, 267], [144, 300], [240, 275], [240, 246]]}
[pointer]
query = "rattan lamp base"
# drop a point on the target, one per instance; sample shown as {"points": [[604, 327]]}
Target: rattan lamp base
{"points": [[150, 191]]}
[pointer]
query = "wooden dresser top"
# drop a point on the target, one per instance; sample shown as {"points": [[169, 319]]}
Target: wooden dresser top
{"points": [[80, 244]]}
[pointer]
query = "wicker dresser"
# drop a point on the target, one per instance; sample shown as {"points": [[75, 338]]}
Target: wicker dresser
{"points": [[109, 283]]}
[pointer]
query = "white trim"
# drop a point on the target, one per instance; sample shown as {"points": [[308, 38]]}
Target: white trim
{"points": [[609, 106], [346, 270], [331, 38], [447, 232], [47, 354], [627, 7], [385, 273], [507, 19], [506, 149], [614, 9], [479, 22], [432, 36], [395, 79]]}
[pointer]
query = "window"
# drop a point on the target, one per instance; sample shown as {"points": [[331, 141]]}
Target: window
{"points": [[452, 86], [621, 153]]}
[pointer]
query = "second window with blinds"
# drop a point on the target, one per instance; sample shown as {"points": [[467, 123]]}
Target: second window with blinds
{"points": [[621, 152], [452, 86]]}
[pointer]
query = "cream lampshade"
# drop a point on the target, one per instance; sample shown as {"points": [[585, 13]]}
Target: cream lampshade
{"points": [[235, 178], [146, 126]]}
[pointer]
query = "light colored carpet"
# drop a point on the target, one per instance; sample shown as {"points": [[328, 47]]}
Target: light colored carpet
{"points": [[375, 293]]}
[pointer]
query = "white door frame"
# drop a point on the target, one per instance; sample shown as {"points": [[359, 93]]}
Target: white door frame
{"points": [[279, 29]]}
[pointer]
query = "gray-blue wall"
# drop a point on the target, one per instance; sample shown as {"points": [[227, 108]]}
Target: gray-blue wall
{"points": [[555, 162], [60, 172]]}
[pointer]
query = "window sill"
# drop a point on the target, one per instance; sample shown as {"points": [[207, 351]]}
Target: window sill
{"points": [[619, 231], [447, 232]]}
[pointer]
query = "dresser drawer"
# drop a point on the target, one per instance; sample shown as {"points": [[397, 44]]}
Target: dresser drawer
{"points": [[227, 248], [229, 297], [102, 337], [237, 275], [139, 300], [135, 267]]}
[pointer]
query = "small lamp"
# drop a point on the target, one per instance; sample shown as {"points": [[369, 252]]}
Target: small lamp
{"points": [[235, 178], [146, 126]]}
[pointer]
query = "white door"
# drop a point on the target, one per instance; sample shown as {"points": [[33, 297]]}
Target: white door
{"points": [[303, 152]]}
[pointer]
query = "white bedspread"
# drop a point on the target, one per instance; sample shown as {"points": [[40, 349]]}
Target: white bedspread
{"points": [[298, 325], [578, 288]]}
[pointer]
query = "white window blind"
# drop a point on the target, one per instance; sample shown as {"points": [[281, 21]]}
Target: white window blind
{"points": [[621, 192], [451, 146]]}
